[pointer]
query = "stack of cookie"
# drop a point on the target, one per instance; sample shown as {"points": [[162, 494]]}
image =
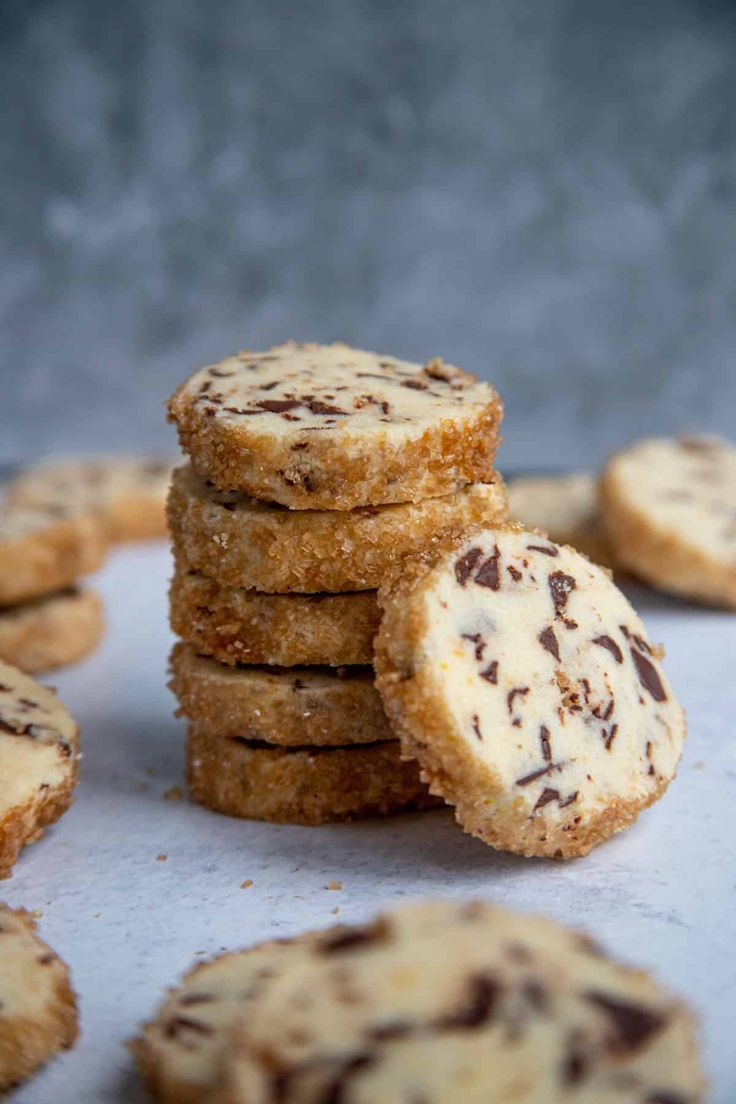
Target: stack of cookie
{"points": [[313, 470]]}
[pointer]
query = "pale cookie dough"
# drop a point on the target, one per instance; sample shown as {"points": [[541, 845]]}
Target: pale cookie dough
{"points": [[243, 626], [565, 507], [38, 762], [520, 677], [126, 493], [287, 706], [307, 785], [38, 1008], [232, 537], [327, 427], [180, 1053], [461, 1003], [43, 550], [670, 510], [52, 632]]}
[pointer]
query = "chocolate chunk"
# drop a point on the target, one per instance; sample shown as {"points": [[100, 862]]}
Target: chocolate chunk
{"points": [[648, 676], [478, 641], [517, 692], [548, 640], [348, 938], [491, 672], [536, 774], [487, 574], [317, 407], [414, 384], [465, 565], [607, 642], [188, 999], [178, 1024], [547, 795], [610, 736], [547, 550], [278, 406], [514, 573], [632, 1024], [546, 746], [476, 727], [569, 800], [561, 586], [477, 1009]]}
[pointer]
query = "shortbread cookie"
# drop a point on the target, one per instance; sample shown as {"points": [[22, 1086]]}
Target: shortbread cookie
{"points": [[307, 785], [46, 633], [243, 626], [462, 1003], [232, 537], [43, 550], [127, 493], [38, 1008], [327, 427], [670, 510], [566, 508], [289, 706], [38, 762], [521, 678]]}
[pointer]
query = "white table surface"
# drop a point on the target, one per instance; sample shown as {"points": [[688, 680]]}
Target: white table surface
{"points": [[661, 895]]}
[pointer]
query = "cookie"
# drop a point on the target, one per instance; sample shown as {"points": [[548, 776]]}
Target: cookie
{"points": [[44, 550], [232, 537], [327, 427], [462, 1002], [126, 493], [46, 633], [294, 706], [566, 508], [520, 677], [243, 626], [180, 1053], [38, 1008], [670, 510], [301, 785], [38, 762]]}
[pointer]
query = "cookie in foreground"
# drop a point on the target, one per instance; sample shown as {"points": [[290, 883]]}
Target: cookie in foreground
{"points": [[38, 1009], [327, 427], [521, 679]]}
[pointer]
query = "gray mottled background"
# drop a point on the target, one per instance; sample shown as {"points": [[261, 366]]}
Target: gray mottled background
{"points": [[541, 190]]}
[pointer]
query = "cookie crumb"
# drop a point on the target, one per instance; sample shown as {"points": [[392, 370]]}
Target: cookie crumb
{"points": [[37, 913], [700, 765], [335, 910], [161, 858], [334, 885], [174, 793], [246, 884]]}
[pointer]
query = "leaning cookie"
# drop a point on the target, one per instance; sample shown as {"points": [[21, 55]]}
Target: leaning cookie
{"points": [[327, 427], [307, 785], [38, 1008], [669, 508], [232, 537], [243, 626], [38, 762], [43, 550], [461, 1003], [286, 706], [566, 508], [52, 632], [521, 678]]}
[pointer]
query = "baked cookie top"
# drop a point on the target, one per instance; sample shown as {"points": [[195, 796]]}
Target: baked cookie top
{"points": [[523, 681], [330, 427], [462, 1002]]}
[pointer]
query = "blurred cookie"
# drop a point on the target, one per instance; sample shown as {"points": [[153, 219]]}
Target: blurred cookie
{"points": [[46, 549], [565, 507], [670, 509], [522, 680], [52, 632], [327, 427]]}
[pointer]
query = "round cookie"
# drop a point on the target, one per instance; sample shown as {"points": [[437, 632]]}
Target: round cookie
{"points": [[52, 632], [566, 508], [520, 677], [38, 1008], [670, 510], [294, 706], [43, 550], [243, 626], [126, 493], [232, 537], [307, 785], [461, 1003], [327, 427]]}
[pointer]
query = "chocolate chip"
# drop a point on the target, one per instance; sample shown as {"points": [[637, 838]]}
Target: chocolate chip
{"points": [[317, 407], [546, 550], [548, 640], [632, 1024], [561, 586], [547, 795], [546, 746], [478, 641], [569, 800], [610, 736], [648, 676], [491, 672], [514, 573], [607, 642], [477, 1008], [414, 384], [536, 774], [517, 692], [278, 406], [348, 938], [189, 999], [476, 727], [487, 574], [178, 1024], [464, 566]]}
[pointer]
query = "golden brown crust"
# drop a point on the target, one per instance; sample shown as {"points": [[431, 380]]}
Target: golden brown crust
{"points": [[25, 824], [287, 707], [285, 630], [307, 786], [51, 632], [233, 538], [49, 555]]}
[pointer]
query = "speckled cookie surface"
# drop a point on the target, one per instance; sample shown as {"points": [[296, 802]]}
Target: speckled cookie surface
{"points": [[52, 632], [522, 680], [38, 762], [566, 508], [243, 626], [462, 1003], [308, 785], [670, 511], [38, 1014], [126, 493], [327, 427], [233, 537], [287, 706], [44, 550]]}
